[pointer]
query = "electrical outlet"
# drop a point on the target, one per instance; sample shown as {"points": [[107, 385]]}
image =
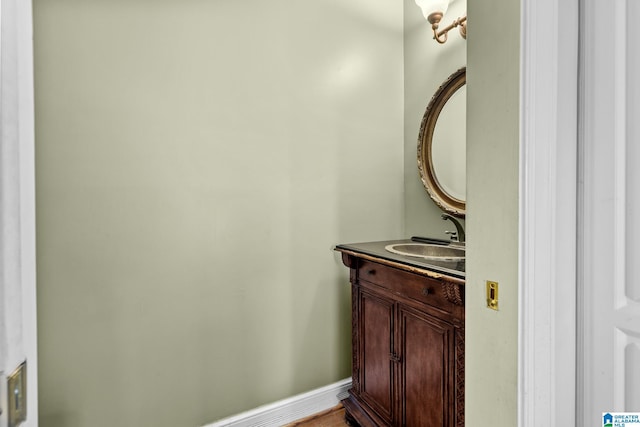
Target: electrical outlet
{"points": [[492, 295], [17, 396]]}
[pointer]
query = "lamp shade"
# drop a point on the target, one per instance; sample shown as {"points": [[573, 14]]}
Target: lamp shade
{"points": [[430, 6]]}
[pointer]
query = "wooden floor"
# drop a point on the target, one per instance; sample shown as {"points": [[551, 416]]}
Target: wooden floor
{"points": [[333, 417]]}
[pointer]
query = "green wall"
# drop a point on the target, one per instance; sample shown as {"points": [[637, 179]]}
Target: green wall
{"points": [[196, 161], [492, 221], [427, 65], [491, 54]]}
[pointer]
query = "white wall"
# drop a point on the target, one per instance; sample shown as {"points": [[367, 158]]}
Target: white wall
{"points": [[196, 164]]}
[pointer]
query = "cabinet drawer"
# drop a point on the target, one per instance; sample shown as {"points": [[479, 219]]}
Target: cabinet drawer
{"points": [[404, 283]]}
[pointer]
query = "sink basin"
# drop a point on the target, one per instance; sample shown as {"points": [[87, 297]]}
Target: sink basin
{"points": [[427, 251]]}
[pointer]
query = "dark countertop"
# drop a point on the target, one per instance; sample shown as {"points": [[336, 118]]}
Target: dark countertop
{"points": [[376, 250]]}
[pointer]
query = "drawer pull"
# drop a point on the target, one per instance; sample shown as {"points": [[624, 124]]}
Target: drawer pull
{"points": [[371, 272], [427, 291]]}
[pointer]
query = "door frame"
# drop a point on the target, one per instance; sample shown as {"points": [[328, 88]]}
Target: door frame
{"points": [[548, 212], [17, 188], [548, 156]]}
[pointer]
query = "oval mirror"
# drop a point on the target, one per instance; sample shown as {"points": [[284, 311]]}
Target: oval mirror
{"points": [[442, 145]]}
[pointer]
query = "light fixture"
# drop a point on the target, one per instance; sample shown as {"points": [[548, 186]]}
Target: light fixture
{"points": [[433, 11]]}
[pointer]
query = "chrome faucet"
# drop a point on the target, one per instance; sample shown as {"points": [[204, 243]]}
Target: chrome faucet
{"points": [[458, 235]]}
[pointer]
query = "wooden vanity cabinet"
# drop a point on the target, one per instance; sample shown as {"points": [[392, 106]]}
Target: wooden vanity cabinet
{"points": [[408, 347]]}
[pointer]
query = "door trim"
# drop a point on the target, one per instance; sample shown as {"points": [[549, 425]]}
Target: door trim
{"points": [[17, 210], [547, 220]]}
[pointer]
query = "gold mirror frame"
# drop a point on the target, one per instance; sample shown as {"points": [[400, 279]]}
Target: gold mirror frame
{"points": [[430, 181]]}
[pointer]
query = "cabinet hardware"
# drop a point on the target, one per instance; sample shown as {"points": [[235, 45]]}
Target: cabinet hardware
{"points": [[394, 357]]}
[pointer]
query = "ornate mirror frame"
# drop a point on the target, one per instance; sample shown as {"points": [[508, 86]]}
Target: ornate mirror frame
{"points": [[430, 181]]}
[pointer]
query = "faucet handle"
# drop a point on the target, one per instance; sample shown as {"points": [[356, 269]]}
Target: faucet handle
{"points": [[460, 235], [453, 234]]}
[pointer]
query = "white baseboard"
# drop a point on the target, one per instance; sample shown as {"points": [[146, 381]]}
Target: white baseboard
{"points": [[289, 410]]}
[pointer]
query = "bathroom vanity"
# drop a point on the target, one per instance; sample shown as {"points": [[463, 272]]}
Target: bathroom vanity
{"points": [[407, 337], [407, 296]]}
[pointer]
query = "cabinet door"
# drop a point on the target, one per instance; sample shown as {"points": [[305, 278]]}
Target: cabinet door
{"points": [[376, 323], [426, 377]]}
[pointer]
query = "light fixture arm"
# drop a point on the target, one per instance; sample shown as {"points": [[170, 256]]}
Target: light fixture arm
{"points": [[441, 36]]}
